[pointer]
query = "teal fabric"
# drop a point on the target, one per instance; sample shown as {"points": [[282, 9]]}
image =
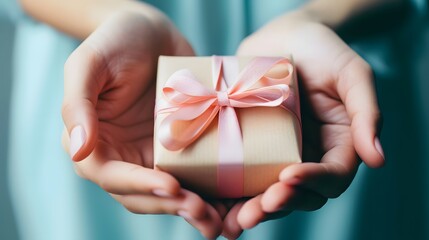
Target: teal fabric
{"points": [[51, 202], [217, 27], [10, 9]]}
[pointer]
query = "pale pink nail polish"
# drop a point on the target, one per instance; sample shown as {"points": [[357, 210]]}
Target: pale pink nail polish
{"points": [[77, 139], [161, 193], [184, 214], [378, 146]]}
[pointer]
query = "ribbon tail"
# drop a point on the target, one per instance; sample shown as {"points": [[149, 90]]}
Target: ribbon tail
{"points": [[230, 172]]}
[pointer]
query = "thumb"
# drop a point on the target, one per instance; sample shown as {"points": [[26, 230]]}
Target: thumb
{"points": [[82, 76], [356, 90]]}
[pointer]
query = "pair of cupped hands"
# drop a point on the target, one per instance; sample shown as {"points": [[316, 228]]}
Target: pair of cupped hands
{"points": [[108, 111]]}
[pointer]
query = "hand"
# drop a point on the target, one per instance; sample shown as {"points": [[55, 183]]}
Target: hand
{"points": [[339, 113], [108, 112]]}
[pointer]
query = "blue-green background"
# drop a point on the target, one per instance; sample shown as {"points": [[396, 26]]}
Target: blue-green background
{"points": [[388, 203]]}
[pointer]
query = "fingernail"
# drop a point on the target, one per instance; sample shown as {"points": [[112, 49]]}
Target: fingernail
{"points": [[378, 146], [77, 139], [161, 193], [184, 214]]}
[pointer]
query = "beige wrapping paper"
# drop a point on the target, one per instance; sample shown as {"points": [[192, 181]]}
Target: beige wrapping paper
{"points": [[271, 138]]}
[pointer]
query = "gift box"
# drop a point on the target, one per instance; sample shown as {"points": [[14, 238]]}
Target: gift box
{"points": [[225, 127]]}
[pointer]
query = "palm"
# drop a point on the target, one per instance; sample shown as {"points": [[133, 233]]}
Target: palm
{"points": [[110, 94], [322, 59], [320, 56], [126, 52], [319, 67], [126, 100], [130, 134]]}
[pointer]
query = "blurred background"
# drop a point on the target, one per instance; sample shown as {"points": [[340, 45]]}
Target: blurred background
{"points": [[7, 32], [398, 51]]}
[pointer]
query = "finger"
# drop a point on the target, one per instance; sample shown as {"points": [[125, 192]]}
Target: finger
{"points": [[276, 215], [251, 213], [220, 208], [65, 140], [186, 202], [356, 89], [187, 205], [81, 87], [210, 226], [329, 178], [231, 227], [283, 197], [208, 222], [120, 177]]}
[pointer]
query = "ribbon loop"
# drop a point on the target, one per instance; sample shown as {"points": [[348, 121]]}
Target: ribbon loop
{"points": [[190, 104]]}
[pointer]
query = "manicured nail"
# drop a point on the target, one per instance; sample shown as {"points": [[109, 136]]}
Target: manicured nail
{"points": [[77, 139], [378, 146], [184, 214], [161, 193]]}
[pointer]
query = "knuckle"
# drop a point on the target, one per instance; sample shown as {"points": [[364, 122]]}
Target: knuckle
{"points": [[349, 63], [130, 206], [105, 185], [128, 203], [105, 181]]}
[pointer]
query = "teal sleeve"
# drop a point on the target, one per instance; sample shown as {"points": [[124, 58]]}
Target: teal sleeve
{"points": [[11, 10]]}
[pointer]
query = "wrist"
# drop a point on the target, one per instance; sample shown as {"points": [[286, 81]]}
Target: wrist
{"points": [[79, 18]]}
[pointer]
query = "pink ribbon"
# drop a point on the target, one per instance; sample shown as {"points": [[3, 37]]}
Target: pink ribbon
{"points": [[189, 102]]}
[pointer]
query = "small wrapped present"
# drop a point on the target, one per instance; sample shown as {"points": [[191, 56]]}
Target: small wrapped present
{"points": [[226, 126]]}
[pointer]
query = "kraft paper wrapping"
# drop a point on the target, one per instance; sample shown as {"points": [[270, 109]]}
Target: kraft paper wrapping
{"points": [[271, 138]]}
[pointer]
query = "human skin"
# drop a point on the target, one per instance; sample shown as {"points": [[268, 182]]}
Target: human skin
{"points": [[339, 113], [109, 107], [110, 77]]}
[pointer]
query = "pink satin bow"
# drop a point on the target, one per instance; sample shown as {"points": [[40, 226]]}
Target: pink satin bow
{"points": [[190, 103]]}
